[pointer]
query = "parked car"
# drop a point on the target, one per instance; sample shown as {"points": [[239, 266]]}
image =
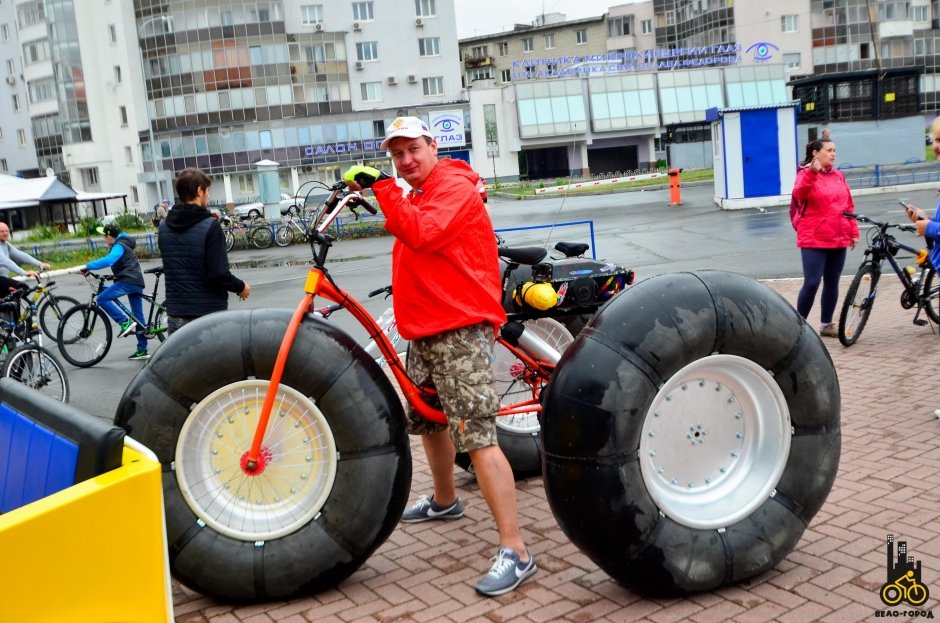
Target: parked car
{"points": [[255, 209]]}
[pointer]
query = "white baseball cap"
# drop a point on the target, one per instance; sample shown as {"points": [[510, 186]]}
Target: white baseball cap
{"points": [[408, 127]]}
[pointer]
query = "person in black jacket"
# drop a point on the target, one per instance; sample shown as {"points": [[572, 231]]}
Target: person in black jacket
{"points": [[195, 261], [128, 281]]}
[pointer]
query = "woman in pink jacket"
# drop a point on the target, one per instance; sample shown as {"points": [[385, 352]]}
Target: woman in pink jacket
{"points": [[820, 197]]}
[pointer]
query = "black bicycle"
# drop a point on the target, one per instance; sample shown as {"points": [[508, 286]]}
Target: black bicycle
{"points": [[24, 358], [85, 334], [921, 287]]}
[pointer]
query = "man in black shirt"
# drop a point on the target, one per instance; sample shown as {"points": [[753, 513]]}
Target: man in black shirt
{"points": [[195, 261]]}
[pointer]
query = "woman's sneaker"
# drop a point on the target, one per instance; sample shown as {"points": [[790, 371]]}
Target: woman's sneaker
{"points": [[425, 510], [507, 572], [829, 330]]}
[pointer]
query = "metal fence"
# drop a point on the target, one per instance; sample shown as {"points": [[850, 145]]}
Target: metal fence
{"points": [[872, 175]]}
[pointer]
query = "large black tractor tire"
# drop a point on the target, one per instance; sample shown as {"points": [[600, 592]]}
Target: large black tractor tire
{"points": [[337, 458], [691, 433]]}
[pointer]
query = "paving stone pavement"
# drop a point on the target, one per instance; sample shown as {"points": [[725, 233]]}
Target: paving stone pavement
{"points": [[888, 482]]}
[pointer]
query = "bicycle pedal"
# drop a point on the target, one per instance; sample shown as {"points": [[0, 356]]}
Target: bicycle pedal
{"points": [[920, 322]]}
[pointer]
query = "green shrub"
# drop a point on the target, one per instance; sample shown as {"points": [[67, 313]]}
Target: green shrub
{"points": [[129, 221], [561, 181], [43, 232], [88, 226]]}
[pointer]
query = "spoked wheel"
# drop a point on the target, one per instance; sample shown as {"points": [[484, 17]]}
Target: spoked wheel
{"points": [[335, 459], [229, 239], [284, 236], [931, 292], [691, 433], [51, 312], [261, 237], [84, 336], [518, 435], [287, 493], [859, 299], [37, 368]]}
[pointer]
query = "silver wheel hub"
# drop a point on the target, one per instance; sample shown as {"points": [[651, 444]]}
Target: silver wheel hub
{"points": [[715, 441], [298, 454]]}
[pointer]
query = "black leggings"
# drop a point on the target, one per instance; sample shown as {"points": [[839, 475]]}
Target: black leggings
{"points": [[823, 265]]}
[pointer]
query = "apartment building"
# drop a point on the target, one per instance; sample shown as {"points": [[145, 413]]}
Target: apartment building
{"points": [[309, 85], [17, 155]]}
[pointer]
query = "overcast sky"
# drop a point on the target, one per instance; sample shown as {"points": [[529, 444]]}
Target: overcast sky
{"points": [[486, 17]]}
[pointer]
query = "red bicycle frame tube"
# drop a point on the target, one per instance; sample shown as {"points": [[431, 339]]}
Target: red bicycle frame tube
{"points": [[318, 285]]}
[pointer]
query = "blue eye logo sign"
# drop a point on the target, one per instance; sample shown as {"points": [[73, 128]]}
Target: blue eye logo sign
{"points": [[762, 51], [447, 126]]}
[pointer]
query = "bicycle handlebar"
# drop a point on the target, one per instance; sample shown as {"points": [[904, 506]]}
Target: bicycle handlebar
{"points": [[861, 218]]}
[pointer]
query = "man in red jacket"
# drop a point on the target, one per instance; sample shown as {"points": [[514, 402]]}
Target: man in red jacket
{"points": [[446, 280]]}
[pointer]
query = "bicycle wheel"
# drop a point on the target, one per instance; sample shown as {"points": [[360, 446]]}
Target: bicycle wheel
{"points": [[157, 328], [84, 335], [229, 240], [518, 434], [261, 237], [51, 311], [336, 434], [931, 292], [856, 308], [284, 235], [37, 368]]}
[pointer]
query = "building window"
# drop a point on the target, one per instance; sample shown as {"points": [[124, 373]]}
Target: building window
{"points": [[311, 14], [42, 90], [504, 48], [789, 23], [920, 47], [920, 13], [670, 18], [792, 60], [246, 184], [371, 91], [527, 44], [433, 86], [505, 75], [425, 8], [479, 51], [619, 26], [580, 36], [484, 73], [429, 46], [549, 41], [1, 135], [3, 165], [122, 110], [135, 194], [893, 10], [128, 154], [21, 137], [117, 75], [367, 51], [16, 102], [362, 11], [5, 32], [11, 67], [36, 51], [646, 26], [112, 33]]}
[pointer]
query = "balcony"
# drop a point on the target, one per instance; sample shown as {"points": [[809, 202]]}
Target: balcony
{"points": [[472, 62]]}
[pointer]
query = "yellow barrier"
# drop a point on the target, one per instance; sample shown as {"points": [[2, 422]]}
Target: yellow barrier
{"points": [[94, 552]]}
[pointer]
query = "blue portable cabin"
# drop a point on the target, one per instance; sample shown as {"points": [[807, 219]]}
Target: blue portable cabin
{"points": [[756, 154]]}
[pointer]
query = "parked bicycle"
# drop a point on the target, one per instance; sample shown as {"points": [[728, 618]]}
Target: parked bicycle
{"points": [[85, 333], [295, 228], [25, 359], [256, 232], [920, 283]]}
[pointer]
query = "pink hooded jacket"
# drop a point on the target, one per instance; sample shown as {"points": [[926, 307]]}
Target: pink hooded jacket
{"points": [[816, 208]]}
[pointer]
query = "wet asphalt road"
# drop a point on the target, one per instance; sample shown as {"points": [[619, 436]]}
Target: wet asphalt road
{"points": [[636, 229]]}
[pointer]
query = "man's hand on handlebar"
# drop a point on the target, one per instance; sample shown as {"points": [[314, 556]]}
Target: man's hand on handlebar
{"points": [[358, 177]]}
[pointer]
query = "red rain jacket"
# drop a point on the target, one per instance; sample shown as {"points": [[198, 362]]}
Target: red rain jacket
{"points": [[816, 208], [445, 268]]}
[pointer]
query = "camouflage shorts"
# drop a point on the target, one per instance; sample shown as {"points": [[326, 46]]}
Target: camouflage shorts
{"points": [[458, 364]]}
